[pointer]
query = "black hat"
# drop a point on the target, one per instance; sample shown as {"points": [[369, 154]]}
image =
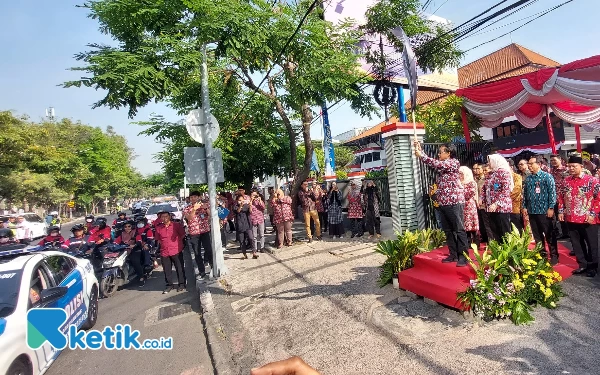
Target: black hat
{"points": [[575, 159]]}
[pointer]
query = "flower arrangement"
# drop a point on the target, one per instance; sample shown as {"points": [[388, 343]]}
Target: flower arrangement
{"points": [[400, 252], [510, 280]]}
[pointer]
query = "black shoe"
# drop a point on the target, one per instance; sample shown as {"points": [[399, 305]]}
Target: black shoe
{"points": [[319, 238], [572, 253], [579, 271], [181, 288], [310, 240], [168, 289], [449, 259], [141, 283], [462, 262], [353, 235], [554, 261], [359, 235], [591, 273]]}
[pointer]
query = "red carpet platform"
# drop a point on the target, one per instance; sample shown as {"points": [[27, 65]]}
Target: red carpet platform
{"points": [[430, 278]]}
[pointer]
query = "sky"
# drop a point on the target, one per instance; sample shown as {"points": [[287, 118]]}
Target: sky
{"points": [[40, 38]]}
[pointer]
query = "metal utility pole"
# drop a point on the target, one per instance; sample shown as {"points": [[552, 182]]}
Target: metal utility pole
{"points": [[215, 233]]}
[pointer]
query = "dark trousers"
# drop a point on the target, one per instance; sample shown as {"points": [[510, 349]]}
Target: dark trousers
{"points": [[323, 221], [517, 221], [474, 238], [357, 226], [500, 224], [223, 237], [198, 241], [271, 217], [484, 223], [168, 262], [584, 238], [247, 240], [453, 225], [136, 262], [373, 223], [542, 228]]}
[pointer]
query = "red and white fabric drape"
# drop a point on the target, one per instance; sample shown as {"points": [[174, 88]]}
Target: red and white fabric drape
{"points": [[572, 92]]}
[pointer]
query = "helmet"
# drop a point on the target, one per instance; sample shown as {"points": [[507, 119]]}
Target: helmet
{"points": [[141, 219], [129, 222], [121, 214], [101, 222], [53, 228], [54, 213], [89, 218], [77, 227]]}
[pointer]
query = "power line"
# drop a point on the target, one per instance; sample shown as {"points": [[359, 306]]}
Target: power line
{"points": [[517, 28], [438, 8], [308, 11], [500, 19]]}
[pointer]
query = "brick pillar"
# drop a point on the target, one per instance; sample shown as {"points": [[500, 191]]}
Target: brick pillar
{"points": [[403, 174]]}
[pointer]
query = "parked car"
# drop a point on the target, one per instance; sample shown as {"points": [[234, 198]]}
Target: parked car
{"points": [[152, 213]]}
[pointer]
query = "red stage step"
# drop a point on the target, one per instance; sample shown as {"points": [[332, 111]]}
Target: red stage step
{"points": [[430, 278]]}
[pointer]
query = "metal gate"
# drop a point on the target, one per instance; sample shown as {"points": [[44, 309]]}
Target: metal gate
{"points": [[467, 154]]}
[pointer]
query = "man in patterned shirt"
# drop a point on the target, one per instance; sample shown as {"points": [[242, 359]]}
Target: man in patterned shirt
{"points": [[539, 198], [579, 205], [559, 172], [307, 199], [451, 198], [197, 216]]}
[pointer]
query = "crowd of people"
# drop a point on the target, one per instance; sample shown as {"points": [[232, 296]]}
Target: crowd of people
{"points": [[560, 200]]}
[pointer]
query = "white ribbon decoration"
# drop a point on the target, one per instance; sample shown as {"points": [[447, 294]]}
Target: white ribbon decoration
{"points": [[577, 118], [527, 121], [546, 88], [581, 92], [498, 110]]}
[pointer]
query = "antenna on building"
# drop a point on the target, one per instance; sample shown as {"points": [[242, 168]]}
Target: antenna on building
{"points": [[50, 115]]}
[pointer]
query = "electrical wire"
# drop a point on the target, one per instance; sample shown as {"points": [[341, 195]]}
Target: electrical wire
{"points": [[438, 8], [517, 28], [285, 46]]}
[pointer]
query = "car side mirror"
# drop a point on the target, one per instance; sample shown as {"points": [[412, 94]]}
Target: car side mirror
{"points": [[53, 294]]}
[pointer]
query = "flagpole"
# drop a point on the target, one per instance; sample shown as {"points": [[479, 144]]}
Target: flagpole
{"points": [[414, 124]]}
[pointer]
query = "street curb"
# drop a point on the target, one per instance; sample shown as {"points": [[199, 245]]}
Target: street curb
{"points": [[216, 341]]}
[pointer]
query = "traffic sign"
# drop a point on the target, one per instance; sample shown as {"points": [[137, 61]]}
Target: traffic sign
{"points": [[197, 127], [71, 204], [194, 160]]}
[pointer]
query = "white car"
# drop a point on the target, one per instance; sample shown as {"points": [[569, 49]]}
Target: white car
{"points": [[152, 213], [41, 279], [34, 226]]}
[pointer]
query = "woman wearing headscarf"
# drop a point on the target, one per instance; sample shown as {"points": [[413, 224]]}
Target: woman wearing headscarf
{"points": [[496, 195], [319, 193], [282, 217], [355, 211], [334, 212], [471, 222], [371, 201]]}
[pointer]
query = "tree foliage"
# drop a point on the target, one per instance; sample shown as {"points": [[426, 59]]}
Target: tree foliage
{"points": [[343, 156], [156, 57], [443, 120], [47, 164]]}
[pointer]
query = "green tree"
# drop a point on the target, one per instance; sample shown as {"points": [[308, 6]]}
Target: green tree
{"points": [[343, 155], [443, 120], [157, 56]]}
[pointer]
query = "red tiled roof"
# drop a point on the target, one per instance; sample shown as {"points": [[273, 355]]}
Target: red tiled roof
{"points": [[372, 131]]}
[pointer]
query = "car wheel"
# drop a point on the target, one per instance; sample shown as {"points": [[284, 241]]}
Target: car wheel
{"points": [[19, 367], [92, 310]]}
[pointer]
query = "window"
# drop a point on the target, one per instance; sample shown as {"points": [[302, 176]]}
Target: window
{"points": [[368, 158], [33, 218], [10, 283], [60, 267], [376, 156], [39, 281]]}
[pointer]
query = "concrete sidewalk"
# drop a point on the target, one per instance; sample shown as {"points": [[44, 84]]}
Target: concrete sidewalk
{"points": [[321, 301]]}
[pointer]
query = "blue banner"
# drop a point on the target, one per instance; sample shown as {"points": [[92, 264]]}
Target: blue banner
{"points": [[328, 144]]}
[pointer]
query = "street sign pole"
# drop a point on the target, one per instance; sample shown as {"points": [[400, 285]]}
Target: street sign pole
{"points": [[218, 269]]}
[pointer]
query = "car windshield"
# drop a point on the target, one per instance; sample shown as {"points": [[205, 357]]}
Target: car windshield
{"points": [[161, 207], [9, 291]]}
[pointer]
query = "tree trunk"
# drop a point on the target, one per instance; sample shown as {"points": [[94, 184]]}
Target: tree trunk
{"points": [[291, 134], [302, 174]]}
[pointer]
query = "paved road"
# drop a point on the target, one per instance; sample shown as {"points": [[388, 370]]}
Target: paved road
{"points": [[155, 315]]}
